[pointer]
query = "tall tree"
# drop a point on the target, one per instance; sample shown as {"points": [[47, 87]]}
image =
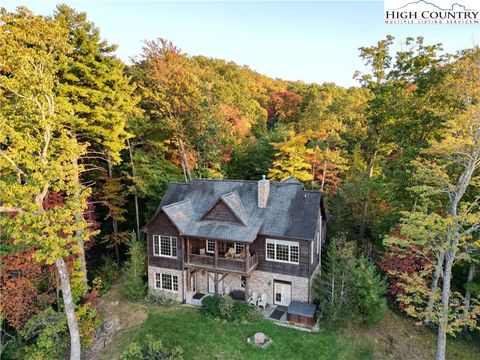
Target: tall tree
{"points": [[100, 97], [292, 159], [37, 148]]}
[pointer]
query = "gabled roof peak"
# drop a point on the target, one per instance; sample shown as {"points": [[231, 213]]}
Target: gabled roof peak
{"points": [[234, 204]]}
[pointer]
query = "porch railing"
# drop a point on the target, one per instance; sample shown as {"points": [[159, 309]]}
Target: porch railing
{"points": [[240, 265]]}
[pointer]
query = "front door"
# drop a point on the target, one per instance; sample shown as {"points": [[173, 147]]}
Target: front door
{"points": [[211, 283], [282, 293]]}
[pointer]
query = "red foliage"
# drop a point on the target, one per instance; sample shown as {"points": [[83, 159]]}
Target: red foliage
{"points": [[283, 104], [401, 263], [21, 296]]}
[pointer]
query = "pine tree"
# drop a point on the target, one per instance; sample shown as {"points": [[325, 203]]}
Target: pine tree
{"points": [[134, 271], [333, 288], [100, 98]]}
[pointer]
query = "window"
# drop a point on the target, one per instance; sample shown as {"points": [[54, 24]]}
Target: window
{"points": [[164, 246], [210, 246], [166, 282], [239, 248], [243, 281], [283, 251]]}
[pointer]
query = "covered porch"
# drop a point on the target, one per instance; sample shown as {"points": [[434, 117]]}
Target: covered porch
{"points": [[220, 255]]}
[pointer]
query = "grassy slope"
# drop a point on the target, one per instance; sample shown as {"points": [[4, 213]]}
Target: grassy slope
{"points": [[202, 338]]}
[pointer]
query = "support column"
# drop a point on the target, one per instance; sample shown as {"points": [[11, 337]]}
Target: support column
{"points": [[216, 283], [216, 254], [247, 258], [188, 250], [182, 243], [247, 280]]}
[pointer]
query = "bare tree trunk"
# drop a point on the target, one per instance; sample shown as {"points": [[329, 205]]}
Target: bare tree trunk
{"points": [[324, 175], [434, 286], [134, 175], [183, 156], [75, 347], [468, 293], [363, 222], [443, 321], [114, 221]]}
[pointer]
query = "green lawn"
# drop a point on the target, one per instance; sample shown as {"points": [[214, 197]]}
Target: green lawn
{"points": [[394, 338], [204, 338]]}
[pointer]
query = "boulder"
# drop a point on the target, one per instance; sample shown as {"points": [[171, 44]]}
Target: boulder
{"points": [[259, 338]]}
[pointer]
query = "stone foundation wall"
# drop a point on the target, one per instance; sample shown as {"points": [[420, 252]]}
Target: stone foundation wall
{"points": [[175, 295], [262, 282]]}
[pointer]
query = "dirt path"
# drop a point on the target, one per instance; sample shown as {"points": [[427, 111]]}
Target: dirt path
{"points": [[116, 314]]}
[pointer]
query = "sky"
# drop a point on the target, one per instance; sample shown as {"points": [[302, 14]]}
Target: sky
{"points": [[309, 41]]}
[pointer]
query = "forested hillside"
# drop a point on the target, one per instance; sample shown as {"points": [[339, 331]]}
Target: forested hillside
{"points": [[89, 144]]}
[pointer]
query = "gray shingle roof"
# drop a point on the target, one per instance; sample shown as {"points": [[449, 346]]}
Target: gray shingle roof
{"points": [[291, 212]]}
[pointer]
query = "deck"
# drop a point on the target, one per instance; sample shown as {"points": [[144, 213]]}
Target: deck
{"points": [[222, 264]]}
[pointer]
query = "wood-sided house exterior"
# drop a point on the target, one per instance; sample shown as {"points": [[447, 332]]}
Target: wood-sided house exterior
{"points": [[212, 236]]}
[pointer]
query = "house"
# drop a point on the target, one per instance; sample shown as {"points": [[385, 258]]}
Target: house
{"points": [[240, 237]]}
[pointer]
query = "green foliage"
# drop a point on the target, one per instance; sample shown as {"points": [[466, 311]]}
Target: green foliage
{"points": [[211, 306], [227, 309], [368, 292], [88, 323], [334, 287], [106, 274], [48, 333], [158, 299], [349, 287], [151, 350], [135, 269]]}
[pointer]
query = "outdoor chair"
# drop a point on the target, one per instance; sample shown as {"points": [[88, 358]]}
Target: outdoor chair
{"points": [[230, 253], [227, 291], [252, 300], [262, 302]]}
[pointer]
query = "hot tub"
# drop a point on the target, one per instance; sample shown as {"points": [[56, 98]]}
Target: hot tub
{"points": [[301, 313]]}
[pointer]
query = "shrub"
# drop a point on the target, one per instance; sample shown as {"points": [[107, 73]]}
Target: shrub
{"points": [[159, 299], [242, 311], [106, 274], [134, 271], [88, 322], [48, 334], [226, 308], [151, 350], [210, 306]]}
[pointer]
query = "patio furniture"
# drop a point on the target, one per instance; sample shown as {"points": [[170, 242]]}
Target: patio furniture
{"points": [[252, 300], [227, 291], [230, 253], [262, 302]]}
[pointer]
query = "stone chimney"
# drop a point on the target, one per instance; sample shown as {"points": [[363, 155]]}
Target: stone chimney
{"points": [[263, 192]]}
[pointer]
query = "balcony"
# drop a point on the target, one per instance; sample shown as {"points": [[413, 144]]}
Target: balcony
{"points": [[223, 264]]}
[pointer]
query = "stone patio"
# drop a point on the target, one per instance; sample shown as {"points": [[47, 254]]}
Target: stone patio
{"points": [[267, 313]]}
